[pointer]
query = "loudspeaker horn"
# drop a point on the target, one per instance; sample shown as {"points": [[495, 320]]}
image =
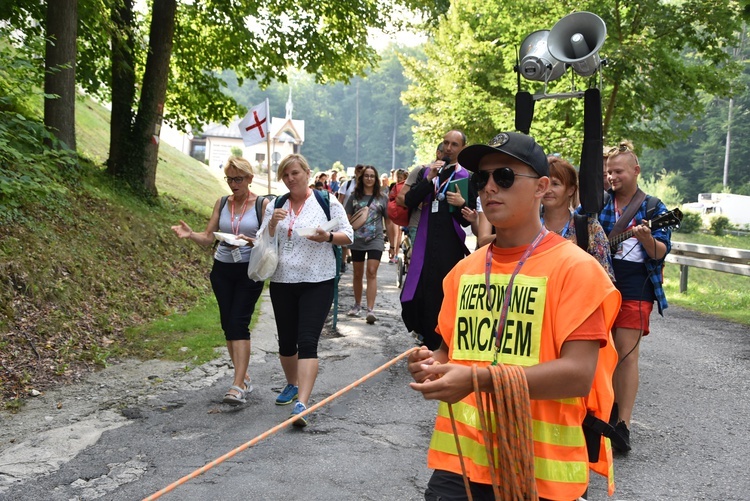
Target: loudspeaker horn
{"points": [[536, 61], [576, 40]]}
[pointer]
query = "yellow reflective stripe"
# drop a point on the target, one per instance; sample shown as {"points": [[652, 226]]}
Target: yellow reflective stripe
{"points": [[569, 401], [568, 472], [545, 469], [558, 434], [471, 449], [611, 463], [463, 413]]}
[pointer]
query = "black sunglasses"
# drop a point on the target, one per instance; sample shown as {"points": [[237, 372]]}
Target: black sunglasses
{"points": [[503, 177]]}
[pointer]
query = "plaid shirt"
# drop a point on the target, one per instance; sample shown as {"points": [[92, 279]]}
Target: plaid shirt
{"points": [[655, 267]]}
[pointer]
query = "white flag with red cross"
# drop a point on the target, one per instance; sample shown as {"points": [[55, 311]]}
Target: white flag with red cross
{"points": [[254, 127]]}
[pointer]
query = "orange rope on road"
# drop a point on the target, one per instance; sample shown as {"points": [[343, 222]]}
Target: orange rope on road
{"points": [[276, 428]]}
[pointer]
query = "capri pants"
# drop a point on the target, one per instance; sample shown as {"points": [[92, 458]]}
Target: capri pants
{"points": [[300, 310], [236, 295]]}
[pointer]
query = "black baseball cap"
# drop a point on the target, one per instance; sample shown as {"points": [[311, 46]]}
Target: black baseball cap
{"points": [[514, 144]]}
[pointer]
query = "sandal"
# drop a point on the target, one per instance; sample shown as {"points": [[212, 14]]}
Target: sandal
{"points": [[234, 396], [391, 252], [248, 385]]}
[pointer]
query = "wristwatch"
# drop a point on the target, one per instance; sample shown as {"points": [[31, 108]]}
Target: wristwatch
{"points": [[330, 236]]}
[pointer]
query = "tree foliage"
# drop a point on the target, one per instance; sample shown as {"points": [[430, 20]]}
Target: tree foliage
{"points": [[28, 170], [661, 56], [699, 157], [330, 114], [261, 41]]}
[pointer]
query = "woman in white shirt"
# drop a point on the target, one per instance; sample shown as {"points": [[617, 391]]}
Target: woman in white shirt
{"points": [[303, 285]]}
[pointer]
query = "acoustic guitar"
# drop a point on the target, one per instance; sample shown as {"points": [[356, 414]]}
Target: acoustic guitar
{"points": [[671, 218]]}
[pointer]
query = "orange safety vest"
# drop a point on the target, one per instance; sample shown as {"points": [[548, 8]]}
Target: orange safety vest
{"points": [[599, 402], [557, 287]]}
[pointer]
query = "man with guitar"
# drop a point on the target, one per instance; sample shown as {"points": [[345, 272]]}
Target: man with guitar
{"points": [[637, 262]]}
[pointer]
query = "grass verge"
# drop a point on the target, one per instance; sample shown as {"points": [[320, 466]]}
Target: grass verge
{"points": [[84, 264], [723, 295], [191, 336]]}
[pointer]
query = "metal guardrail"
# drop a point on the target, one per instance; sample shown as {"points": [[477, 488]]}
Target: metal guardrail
{"points": [[709, 257]]}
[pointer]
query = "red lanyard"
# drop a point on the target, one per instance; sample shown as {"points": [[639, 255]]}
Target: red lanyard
{"points": [[509, 288], [236, 230], [293, 216]]}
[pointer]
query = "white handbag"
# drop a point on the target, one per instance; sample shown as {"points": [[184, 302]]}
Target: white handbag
{"points": [[264, 257]]}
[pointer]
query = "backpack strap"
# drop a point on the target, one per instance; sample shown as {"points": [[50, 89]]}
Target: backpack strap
{"points": [[280, 201], [651, 204], [221, 208], [324, 201], [259, 208], [582, 230]]}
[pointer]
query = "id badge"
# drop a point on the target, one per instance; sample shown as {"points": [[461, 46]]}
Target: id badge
{"points": [[236, 255], [288, 246], [435, 206]]}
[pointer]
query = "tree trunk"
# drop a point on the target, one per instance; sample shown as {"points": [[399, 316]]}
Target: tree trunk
{"points": [[123, 92], [154, 90], [60, 72]]}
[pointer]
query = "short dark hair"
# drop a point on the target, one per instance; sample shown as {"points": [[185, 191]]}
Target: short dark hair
{"points": [[463, 136]]}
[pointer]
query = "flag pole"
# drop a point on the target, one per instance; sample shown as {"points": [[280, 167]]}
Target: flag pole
{"points": [[268, 146]]}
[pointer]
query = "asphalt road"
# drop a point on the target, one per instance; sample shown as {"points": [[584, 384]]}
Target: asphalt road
{"points": [[689, 435]]}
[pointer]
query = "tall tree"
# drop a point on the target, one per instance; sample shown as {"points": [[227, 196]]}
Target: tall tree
{"points": [[661, 55], [136, 163], [60, 70], [257, 40]]}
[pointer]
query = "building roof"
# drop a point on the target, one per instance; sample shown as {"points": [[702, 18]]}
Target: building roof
{"points": [[282, 129]]}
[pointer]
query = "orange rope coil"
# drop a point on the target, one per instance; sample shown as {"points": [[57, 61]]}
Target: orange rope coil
{"points": [[510, 450]]}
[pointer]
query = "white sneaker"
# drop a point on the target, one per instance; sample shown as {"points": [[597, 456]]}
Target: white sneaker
{"points": [[371, 318], [355, 311]]}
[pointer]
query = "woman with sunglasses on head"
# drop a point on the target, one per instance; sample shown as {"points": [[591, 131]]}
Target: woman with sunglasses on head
{"points": [[368, 239], [558, 214], [235, 293]]}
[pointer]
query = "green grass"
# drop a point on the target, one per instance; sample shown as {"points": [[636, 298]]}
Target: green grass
{"points": [[81, 268], [191, 336], [716, 293]]}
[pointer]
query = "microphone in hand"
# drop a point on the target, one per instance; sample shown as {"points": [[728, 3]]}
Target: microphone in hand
{"points": [[446, 160]]}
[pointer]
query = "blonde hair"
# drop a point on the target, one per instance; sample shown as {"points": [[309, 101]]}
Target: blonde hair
{"points": [[623, 147], [290, 159], [240, 164]]}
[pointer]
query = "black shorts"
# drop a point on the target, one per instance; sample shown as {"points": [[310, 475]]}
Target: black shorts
{"points": [[359, 256]]}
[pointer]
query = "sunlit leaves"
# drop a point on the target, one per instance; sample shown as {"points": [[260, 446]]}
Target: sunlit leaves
{"points": [[660, 55]]}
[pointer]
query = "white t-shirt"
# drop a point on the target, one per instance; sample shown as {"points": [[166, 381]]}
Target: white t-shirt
{"points": [[629, 250], [305, 260], [346, 189]]}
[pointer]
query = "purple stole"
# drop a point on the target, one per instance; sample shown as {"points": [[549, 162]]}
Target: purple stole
{"points": [[419, 246]]}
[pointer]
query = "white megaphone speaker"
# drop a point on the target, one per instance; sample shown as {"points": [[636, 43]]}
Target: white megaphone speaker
{"points": [[536, 61], [576, 40]]}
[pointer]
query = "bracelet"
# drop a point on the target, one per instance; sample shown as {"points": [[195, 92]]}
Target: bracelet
{"points": [[330, 236]]}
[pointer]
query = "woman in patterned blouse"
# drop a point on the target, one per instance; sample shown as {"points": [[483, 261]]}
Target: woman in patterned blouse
{"points": [[558, 204]]}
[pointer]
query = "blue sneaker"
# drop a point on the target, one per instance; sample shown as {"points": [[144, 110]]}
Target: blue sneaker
{"points": [[287, 395], [300, 422]]}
